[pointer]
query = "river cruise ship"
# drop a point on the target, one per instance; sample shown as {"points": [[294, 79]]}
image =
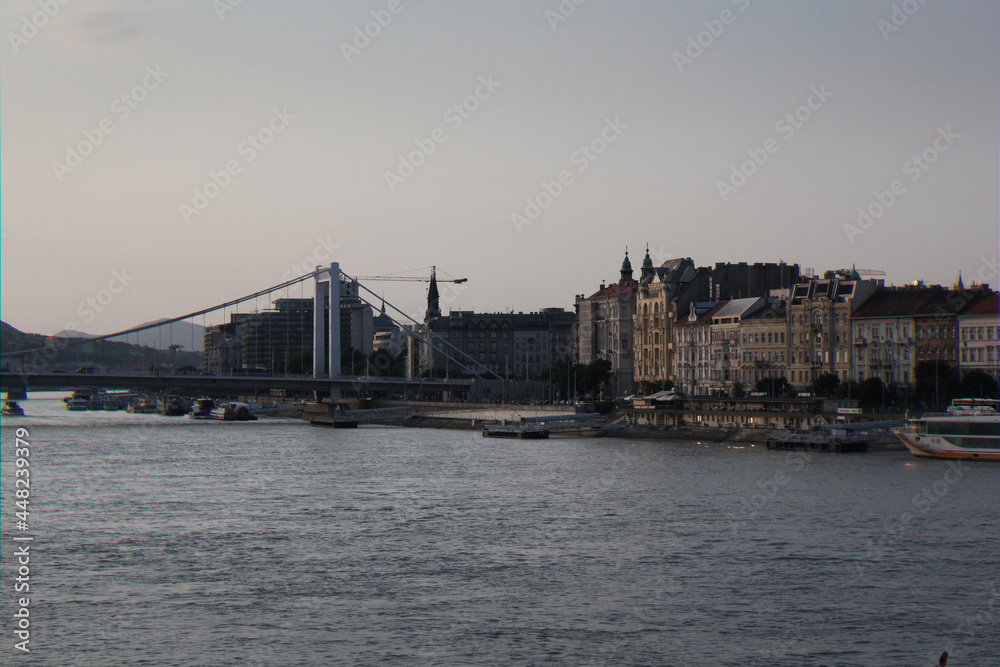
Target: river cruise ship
{"points": [[970, 429]]}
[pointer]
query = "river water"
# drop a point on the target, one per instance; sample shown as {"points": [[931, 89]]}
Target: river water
{"points": [[166, 541]]}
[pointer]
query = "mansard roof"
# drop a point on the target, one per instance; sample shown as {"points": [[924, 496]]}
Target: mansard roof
{"points": [[895, 302], [737, 307], [985, 306], [616, 290], [705, 310]]}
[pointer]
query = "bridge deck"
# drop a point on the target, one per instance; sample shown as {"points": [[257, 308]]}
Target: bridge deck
{"points": [[207, 383]]}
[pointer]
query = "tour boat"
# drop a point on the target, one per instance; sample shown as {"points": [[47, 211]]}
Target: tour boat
{"points": [[970, 429]]}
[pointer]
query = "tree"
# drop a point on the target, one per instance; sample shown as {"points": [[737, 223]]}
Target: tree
{"points": [[600, 372], [825, 385], [936, 384], [978, 384], [739, 391], [560, 374], [299, 363], [382, 363], [352, 362], [871, 392], [773, 387], [591, 377]]}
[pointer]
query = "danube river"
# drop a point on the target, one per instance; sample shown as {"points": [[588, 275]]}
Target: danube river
{"points": [[166, 541]]}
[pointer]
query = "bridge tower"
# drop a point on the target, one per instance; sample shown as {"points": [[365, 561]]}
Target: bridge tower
{"points": [[326, 320]]}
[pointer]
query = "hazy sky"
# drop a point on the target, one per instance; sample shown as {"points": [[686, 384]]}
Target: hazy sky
{"points": [[723, 131]]}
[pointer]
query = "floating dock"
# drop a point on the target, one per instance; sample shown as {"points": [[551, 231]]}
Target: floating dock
{"points": [[807, 444], [335, 423], [515, 432]]}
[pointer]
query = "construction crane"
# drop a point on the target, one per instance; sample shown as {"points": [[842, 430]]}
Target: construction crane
{"points": [[421, 279], [864, 272]]}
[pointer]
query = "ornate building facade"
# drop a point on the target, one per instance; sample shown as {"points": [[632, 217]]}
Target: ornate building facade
{"points": [[663, 291], [604, 329], [819, 329]]}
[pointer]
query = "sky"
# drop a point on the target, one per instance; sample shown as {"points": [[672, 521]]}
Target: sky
{"points": [[158, 157]]}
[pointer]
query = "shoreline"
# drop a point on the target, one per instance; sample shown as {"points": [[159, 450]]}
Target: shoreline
{"points": [[708, 434]]}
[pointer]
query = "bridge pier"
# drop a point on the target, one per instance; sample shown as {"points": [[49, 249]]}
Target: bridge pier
{"points": [[17, 394]]}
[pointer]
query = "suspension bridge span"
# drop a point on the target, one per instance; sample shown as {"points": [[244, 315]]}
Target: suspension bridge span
{"points": [[34, 369]]}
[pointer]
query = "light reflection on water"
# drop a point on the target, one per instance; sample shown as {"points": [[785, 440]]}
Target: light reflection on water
{"points": [[187, 542]]}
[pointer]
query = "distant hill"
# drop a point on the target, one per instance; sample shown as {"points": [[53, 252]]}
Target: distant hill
{"points": [[13, 339], [116, 356], [69, 333], [191, 336], [160, 338]]}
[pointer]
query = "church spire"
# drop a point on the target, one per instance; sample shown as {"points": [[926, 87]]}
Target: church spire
{"points": [[626, 270], [646, 276], [433, 298]]}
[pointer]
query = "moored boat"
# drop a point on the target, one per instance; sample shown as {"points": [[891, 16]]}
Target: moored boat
{"points": [[11, 409], [202, 409], [142, 406], [233, 412], [76, 404], [970, 429], [172, 406]]}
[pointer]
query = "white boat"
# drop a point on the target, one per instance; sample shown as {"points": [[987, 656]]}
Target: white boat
{"points": [[970, 429]]}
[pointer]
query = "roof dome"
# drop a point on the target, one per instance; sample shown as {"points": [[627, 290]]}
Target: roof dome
{"points": [[627, 265], [647, 262]]}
